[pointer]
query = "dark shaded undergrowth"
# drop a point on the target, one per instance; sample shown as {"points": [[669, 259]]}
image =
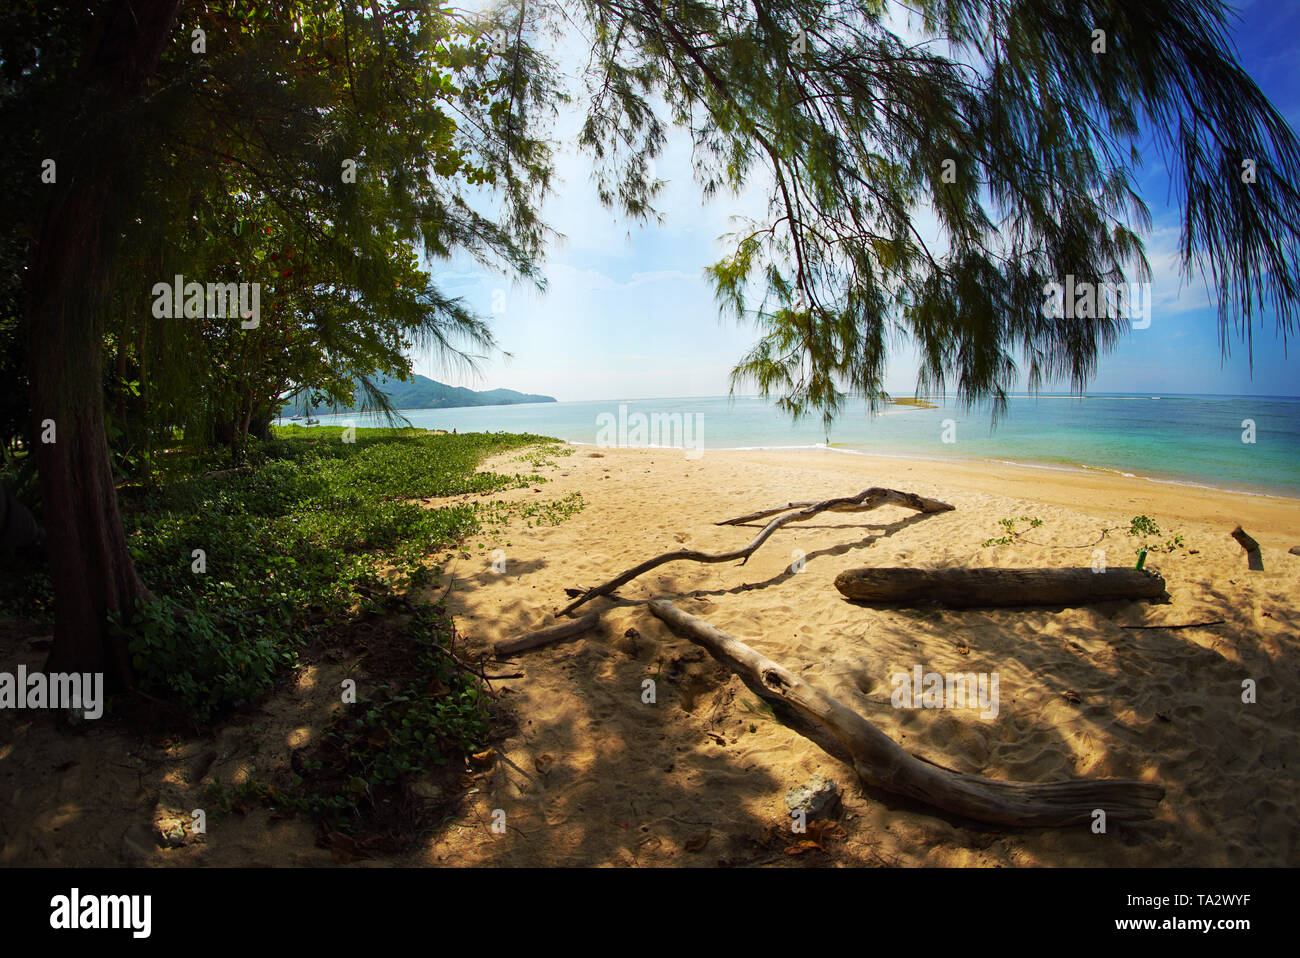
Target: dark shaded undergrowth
{"points": [[311, 549]]}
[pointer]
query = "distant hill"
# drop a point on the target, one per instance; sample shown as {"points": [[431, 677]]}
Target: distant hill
{"points": [[424, 393]]}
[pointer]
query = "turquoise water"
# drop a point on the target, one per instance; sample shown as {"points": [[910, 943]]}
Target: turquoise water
{"points": [[1193, 439]]}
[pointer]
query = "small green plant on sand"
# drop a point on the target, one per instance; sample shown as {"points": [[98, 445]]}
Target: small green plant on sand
{"points": [[545, 454], [1144, 526], [1011, 534]]}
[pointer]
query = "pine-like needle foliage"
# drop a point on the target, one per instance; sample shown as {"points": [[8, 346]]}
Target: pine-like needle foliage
{"points": [[1018, 124]]}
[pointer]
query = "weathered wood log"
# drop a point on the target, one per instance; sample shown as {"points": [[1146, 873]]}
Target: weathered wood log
{"points": [[554, 633], [879, 761], [963, 587], [867, 499], [1247, 543], [1254, 558]]}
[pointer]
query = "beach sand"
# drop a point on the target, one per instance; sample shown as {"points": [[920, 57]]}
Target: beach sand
{"points": [[597, 776], [594, 776]]}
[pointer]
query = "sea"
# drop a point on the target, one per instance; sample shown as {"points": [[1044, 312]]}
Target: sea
{"points": [[1246, 444]]}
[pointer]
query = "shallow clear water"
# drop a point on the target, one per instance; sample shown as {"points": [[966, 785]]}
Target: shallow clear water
{"points": [[1196, 439]]}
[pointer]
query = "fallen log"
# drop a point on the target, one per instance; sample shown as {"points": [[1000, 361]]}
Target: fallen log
{"points": [[880, 762], [867, 499], [554, 633], [962, 587]]}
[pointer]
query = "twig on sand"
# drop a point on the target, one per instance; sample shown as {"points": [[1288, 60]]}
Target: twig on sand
{"points": [[478, 674]]}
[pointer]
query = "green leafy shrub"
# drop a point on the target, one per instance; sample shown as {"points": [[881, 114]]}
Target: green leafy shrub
{"points": [[200, 664], [312, 531]]}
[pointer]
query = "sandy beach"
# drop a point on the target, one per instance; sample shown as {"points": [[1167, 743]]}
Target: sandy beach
{"points": [[597, 776], [592, 775]]}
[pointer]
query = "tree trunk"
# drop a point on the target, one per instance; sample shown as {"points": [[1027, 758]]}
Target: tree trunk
{"points": [[261, 427], [965, 588], [76, 240], [245, 425]]}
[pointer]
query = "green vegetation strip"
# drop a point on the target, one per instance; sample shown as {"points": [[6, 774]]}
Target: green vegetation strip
{"points": [[315, 530]]}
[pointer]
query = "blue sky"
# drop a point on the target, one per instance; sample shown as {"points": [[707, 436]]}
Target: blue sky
{"points": [[628, 313]]}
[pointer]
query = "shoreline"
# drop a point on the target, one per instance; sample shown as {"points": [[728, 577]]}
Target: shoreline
{"points": [[1264, 489], [1171, 479], [1077, 488]]}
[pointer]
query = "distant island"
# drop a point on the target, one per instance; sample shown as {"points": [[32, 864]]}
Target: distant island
{"points": [[908, 401], [424, 393]]}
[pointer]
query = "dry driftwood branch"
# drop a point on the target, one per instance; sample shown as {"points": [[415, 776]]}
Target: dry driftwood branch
{"points": [[881, 762], [554, 633], [962, 587], [867, 499], [1185, 625]]}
